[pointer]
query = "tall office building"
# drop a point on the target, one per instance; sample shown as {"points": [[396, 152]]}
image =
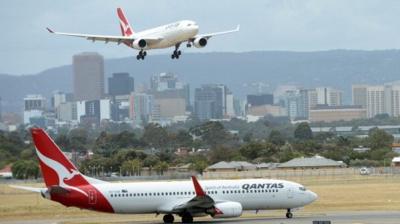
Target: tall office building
{"points": [[329, 96], [34, 107], [210, 101], [375, 100], [141, 108], [260, 99], [359, 95], [88, 76], [170, 82], [297, 103], [120, 84]]}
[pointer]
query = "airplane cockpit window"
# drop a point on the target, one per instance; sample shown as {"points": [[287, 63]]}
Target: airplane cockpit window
{"points": [[302, 188]]}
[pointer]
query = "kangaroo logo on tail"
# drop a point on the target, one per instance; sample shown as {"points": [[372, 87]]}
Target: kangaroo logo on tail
{"points": [[56, 168], [126, 28]]}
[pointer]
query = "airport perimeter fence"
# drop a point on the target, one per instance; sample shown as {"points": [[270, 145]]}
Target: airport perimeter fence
{"points": [[352, 173]]}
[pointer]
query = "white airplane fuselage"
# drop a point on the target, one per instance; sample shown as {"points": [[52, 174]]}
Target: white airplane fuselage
{"points": [[172, 34], [160, 197]]}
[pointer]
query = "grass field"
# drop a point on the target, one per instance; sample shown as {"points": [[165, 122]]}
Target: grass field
{"points": [[349, 193]]}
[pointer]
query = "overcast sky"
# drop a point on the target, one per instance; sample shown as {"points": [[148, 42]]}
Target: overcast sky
{"points": [[296, 25]]}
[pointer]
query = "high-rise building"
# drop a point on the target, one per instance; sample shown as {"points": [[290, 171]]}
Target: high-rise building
{"points": [[260, 99], [94, 111], [359, 95], [329, 96], [168, 82], [34, 107], [375, 100], [171, 103], [210, 101], [120, 84], [297, 103], [141, 108], [88, 76]]}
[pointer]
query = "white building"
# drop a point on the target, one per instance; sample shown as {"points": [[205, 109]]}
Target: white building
{"points": [[34, 106]]}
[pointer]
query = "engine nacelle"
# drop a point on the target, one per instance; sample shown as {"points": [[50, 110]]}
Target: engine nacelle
{"points": [[200, 42], [226, 210], [139, 43]]}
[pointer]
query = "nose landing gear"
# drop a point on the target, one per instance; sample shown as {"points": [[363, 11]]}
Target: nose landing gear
{"points": [[289, 214]]}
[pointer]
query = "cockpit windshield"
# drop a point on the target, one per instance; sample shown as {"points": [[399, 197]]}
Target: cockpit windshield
{"points": [[302, 188]]}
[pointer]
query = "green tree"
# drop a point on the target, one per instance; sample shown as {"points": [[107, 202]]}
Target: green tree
{"points": [[161, 167], [276, 138], [378, 138], [155, 135], [212, 133], [303, 131], [25, 169], [131, 167]]}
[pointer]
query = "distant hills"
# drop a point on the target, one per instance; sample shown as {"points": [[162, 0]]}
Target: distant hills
{"points": [[336, 68]]}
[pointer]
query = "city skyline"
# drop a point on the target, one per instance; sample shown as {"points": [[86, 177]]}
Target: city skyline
{"points": [[282, 25]]}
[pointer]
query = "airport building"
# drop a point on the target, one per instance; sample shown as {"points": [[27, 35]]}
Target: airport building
{"points": [[88, 69]]}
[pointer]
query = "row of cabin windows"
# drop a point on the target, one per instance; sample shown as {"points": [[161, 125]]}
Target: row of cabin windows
{"points": [[158, 194], [250, 191], [190, 193]]}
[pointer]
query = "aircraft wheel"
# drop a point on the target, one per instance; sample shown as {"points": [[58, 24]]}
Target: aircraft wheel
{"points": [[179, 52], [144, 53], [187, 218], [168, 218], [172, 56], [289, 214], [138, 57]]}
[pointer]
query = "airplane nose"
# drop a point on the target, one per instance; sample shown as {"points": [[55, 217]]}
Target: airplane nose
{"points": [[313, 196]]}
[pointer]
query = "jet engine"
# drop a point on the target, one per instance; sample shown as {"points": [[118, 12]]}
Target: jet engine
{"points": [[200, 42], [139, 43], [226, 210]]}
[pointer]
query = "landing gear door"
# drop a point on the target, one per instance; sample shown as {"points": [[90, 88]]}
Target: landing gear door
{"points": [[92, 197]]}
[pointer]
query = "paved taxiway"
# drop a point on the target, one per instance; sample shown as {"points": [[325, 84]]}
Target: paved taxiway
{"points": [[370, 217]]}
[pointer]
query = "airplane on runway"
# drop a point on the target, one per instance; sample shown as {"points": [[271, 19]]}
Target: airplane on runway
{"points": [[173, 34], [187, 199]]}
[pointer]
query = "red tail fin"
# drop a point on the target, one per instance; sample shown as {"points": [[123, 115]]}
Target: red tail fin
{"points": [[126, 28], [55, 166]]}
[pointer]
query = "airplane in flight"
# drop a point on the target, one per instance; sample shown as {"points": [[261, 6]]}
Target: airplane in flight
{"points": [[187, 199], [173, 34]]}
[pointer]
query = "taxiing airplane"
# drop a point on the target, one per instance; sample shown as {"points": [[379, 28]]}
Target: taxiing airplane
{"points": [[187, 199], [166, 36]]}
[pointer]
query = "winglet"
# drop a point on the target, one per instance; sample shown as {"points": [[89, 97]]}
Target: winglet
{"points": [[50, 31], [199, 191]]}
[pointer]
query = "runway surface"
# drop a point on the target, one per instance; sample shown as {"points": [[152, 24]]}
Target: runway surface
{"points": [[374, 217]]}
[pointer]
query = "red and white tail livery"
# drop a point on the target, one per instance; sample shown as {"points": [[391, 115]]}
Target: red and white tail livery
{"points": [[169, 35], [187, 199], [126, 28]]}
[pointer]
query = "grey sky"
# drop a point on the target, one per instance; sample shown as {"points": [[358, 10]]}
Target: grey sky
{"points": [[299, 25]]}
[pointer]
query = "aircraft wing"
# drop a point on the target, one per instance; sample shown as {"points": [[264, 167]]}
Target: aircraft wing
{"points": [[200, 201], [106, 38], [209, 35]]}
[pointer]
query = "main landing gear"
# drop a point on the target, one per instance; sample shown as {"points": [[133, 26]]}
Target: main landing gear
{"points": [[141, 55], [176, 52], [289, 214], [187, 218], [168, 218]]}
